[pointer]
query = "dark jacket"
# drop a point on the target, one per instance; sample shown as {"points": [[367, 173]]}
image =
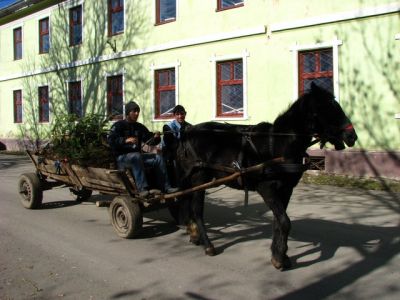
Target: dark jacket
{"points": [[123, 129]]}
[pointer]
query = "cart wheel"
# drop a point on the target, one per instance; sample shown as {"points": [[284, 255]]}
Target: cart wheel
{"points": [[30, 190], [126, 217], [82, 194]]}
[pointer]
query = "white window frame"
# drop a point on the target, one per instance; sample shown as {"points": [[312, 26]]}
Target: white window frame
{"points": [[154, 68], [110, 74], [334, 44], [22, 39], [38, 19], [155, 12], [216, 5], [216, 59], [73, 4], [106, 22]]}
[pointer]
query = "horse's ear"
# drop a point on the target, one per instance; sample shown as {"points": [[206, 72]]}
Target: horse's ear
{"points": [[314, 87]]}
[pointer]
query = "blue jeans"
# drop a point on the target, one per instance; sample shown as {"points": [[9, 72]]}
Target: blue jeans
{"points": [[137, 162]]}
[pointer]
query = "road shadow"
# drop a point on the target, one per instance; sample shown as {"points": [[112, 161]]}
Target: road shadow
{"points": [[153, 229], [320, 239], [7, 162], [377, 246], [59, 204], [312, 241]]}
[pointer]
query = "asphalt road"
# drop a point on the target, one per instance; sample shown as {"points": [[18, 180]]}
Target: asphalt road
{"points": [[345, 244]]}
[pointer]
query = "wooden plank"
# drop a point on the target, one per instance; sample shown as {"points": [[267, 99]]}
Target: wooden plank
{"points": [[97, 173], [97, 182], [73, 176], [63, 178]]}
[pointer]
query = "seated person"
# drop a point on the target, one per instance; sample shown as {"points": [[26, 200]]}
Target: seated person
{"points": [[125, 139], [172, 134], [172, 130]]}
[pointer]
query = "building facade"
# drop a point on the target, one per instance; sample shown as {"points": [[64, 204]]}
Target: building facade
{"points": [[239, 61]]}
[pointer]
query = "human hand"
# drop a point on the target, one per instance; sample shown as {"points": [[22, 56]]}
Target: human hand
{"points": [[131, 140]]}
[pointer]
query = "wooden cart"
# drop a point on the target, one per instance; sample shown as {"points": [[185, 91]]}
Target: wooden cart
{"points": [[125, 210]]}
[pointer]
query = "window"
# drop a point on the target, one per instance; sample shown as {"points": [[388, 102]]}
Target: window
{"points": [[230, 88], [317, 66], [44, 109], [165, 11], [75, 98], [17, 43], [75, 26], [115, 17], [165, 92], [17, 106], [227, 4], [115, 97], [44, 41]]}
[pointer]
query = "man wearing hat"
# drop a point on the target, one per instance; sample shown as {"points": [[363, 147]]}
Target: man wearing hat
{"points": [[126, 138], [172, 134], [178, 124]]}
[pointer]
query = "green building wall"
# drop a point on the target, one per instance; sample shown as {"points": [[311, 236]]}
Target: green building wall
{"points": [[266, 34]]}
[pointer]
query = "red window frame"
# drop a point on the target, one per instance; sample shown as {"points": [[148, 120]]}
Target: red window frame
{"points": [[72, 24], [75, 98], [17, 33], [221, 7], [112, 11], [115, 89], [44, 106], [223, 82], [43, 34], [317, 73], [17, 98], [158, 14], [169, 86]]}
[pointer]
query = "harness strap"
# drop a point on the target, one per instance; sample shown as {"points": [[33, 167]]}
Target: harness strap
{"points": [[271, 141], [250, 141], [251, 169]]}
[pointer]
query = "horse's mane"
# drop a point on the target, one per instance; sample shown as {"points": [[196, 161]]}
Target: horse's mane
{"points": [[293, 116]]}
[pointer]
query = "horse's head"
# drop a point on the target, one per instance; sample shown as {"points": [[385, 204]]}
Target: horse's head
{"points": [[329, 121]]}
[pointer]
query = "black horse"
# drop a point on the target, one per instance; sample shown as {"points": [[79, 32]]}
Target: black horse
{"points": [[213, 150]]}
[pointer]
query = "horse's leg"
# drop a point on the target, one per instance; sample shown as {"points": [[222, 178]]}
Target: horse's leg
{"points": [[277, 199], [197, 209]]}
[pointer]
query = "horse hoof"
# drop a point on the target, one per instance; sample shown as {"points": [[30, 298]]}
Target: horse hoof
{"points": [[281, 265], [277, 264], [210, 251]]}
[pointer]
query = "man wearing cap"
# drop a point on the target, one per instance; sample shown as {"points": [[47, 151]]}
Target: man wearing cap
{"points": [[172, 134], [177, 125], [125, 139]]}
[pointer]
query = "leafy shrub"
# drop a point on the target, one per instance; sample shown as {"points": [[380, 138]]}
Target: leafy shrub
{"points": [[80, 140]]}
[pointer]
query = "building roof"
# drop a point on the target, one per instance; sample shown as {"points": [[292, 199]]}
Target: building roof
{"points": [[13, 10], [16, 6]]}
